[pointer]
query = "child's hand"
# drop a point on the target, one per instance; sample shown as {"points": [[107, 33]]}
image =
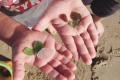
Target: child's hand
{"points": [[54, 59]]}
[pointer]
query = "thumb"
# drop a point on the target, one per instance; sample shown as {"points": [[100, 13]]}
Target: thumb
{"points": [[43, 24]]}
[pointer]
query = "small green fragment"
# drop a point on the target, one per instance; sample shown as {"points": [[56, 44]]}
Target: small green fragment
{"points": [[37, 46], [28, 51], [70, 23], [73, 23]]}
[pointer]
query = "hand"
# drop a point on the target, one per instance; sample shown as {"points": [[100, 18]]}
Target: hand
{"points": [[84, 42], [63, 9], [80, 45], [54, 59]]}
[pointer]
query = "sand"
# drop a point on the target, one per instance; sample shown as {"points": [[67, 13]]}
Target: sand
{"points": [[106, 66]]}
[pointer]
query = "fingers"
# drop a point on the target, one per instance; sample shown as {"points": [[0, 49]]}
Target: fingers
{"points": [[58, 71], [70, 44], [61, 72], [84, 23], [55, 73], [89, 44], [18, 67], [63, 50], [62, 69], [55, 63], [48, 69], [67, 56], [93, 33], [82, 49], [71, 66], [68, 40], [99, 27], [66, 61]]}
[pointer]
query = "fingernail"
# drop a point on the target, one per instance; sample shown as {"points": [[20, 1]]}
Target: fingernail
{"points": [[93, 56], [89, 62]]}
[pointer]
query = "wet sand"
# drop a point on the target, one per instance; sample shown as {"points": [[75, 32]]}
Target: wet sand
{"points": [[106, 66]]}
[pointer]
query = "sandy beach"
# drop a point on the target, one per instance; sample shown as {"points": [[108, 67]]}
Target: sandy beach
{"points": [[106, 66]]}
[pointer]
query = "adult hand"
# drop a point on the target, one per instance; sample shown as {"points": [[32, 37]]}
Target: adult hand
{"points": [[83, 42], [53, 58], [80, 45]]}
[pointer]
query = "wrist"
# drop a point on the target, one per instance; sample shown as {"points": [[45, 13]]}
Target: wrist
{"points": [[18, 33], [9, 28]]}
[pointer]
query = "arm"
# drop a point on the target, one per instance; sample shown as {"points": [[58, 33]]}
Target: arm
{"points": [[9, 29]]}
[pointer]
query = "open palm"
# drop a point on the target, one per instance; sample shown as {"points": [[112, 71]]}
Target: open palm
{"points": [[53, 58]]}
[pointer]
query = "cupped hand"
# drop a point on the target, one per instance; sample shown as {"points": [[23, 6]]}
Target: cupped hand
{"points": [[83, 44], [80, 45], [53, 59]]}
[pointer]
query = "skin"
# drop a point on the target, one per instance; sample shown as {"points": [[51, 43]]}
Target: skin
{"points": [[98, 23], [85, 41], [81, 43], [86, 27], [58, 64], [48, 63]]}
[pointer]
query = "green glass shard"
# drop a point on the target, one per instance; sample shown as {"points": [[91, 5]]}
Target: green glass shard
{"points": [[73, 23], [28, 51], [37, 46], [70, 23]]}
